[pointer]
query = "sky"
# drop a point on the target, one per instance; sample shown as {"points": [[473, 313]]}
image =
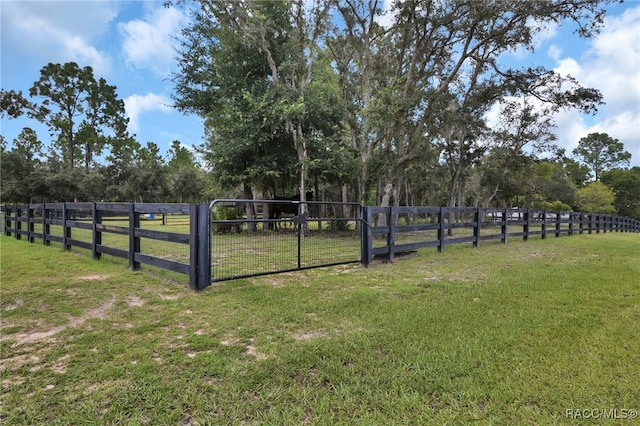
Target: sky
{"points": [[132, 45]]}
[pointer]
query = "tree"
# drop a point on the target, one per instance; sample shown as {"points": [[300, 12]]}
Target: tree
{"points": [[596, 197], [13, 104], [79, 111], [28, 144], [600, 152], [626, 185], [286, 36], [19, 167], [186, 180], [225, 79], [439, 72]]}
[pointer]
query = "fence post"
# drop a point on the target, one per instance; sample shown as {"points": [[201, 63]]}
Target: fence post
{"points": [[527, 223], [18, 226], [30, 225], [441, 236], [134, 242], [7, 220], [504, 227], [391, 236], [96, 239], [46, 227], [476, 227], [544, 224], [66, 230], [571, 216]]}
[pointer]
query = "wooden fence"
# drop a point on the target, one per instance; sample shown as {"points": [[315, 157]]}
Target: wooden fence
{"points": [[128, 230], [395, 230], [119, 229]]}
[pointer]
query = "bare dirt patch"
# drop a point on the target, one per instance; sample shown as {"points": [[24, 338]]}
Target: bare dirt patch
{"points": [[16, 305], [309, 335], [134, 301], [168, 296], [93, 277], [99, 312], [252, 351]]}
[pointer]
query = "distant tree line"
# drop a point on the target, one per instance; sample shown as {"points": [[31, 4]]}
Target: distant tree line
{"points": [[90, 156], [300, 96]]}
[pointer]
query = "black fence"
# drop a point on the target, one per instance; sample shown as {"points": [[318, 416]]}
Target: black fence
{"points": [[168, 236], [231, 239], [395, 230]]}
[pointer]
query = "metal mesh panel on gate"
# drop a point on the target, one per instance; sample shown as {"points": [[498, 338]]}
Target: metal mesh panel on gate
{"points": [[249, 239]]}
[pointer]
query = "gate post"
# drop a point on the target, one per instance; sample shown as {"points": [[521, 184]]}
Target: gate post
{"points": [[366, 236], [204, 236], [199, 247]]}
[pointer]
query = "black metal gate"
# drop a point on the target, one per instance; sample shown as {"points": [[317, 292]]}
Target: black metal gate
{"points": [[261, 237]]}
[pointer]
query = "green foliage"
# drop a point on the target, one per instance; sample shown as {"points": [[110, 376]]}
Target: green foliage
{"points": [[13, 104], [554, 206], [596, 197], [626, 185], [600, 152], [548, 183], [226, 213], [79, 109]]}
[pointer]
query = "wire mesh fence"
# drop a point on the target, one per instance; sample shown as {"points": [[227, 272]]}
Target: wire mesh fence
{"points": [[262, 237]]}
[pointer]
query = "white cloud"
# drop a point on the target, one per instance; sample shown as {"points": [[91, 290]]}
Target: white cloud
{"points": [[57, 31], [611, 65], [388, 16], [135, 105], [149, 43]]}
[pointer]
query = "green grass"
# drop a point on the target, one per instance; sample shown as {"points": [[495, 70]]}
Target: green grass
{"points": [[501, 334]]}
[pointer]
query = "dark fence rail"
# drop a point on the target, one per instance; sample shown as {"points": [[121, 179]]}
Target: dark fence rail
{"points": [[137, 232], [183, 237], [394, 230]]}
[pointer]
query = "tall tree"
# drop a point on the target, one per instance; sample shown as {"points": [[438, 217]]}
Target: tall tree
{"points": [[600, 152], [440, 71], [79, 111], [287, 35], [28, 144], [359, 58], [185, 178]]}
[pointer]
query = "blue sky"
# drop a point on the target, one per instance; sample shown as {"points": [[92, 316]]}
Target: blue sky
{"points": [[131, 45]]}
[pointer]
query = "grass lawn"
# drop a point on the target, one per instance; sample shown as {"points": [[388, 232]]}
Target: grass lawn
{"points": [[502, 334]]}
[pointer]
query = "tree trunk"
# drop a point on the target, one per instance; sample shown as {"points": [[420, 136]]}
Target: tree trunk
{"points": [[385, 202], [249, 208]]}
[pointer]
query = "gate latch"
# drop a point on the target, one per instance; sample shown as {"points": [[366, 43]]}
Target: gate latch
{"points": [[301, 219]]}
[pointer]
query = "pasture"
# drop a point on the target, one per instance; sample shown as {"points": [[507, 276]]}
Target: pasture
{"points": [[506, 334]]}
